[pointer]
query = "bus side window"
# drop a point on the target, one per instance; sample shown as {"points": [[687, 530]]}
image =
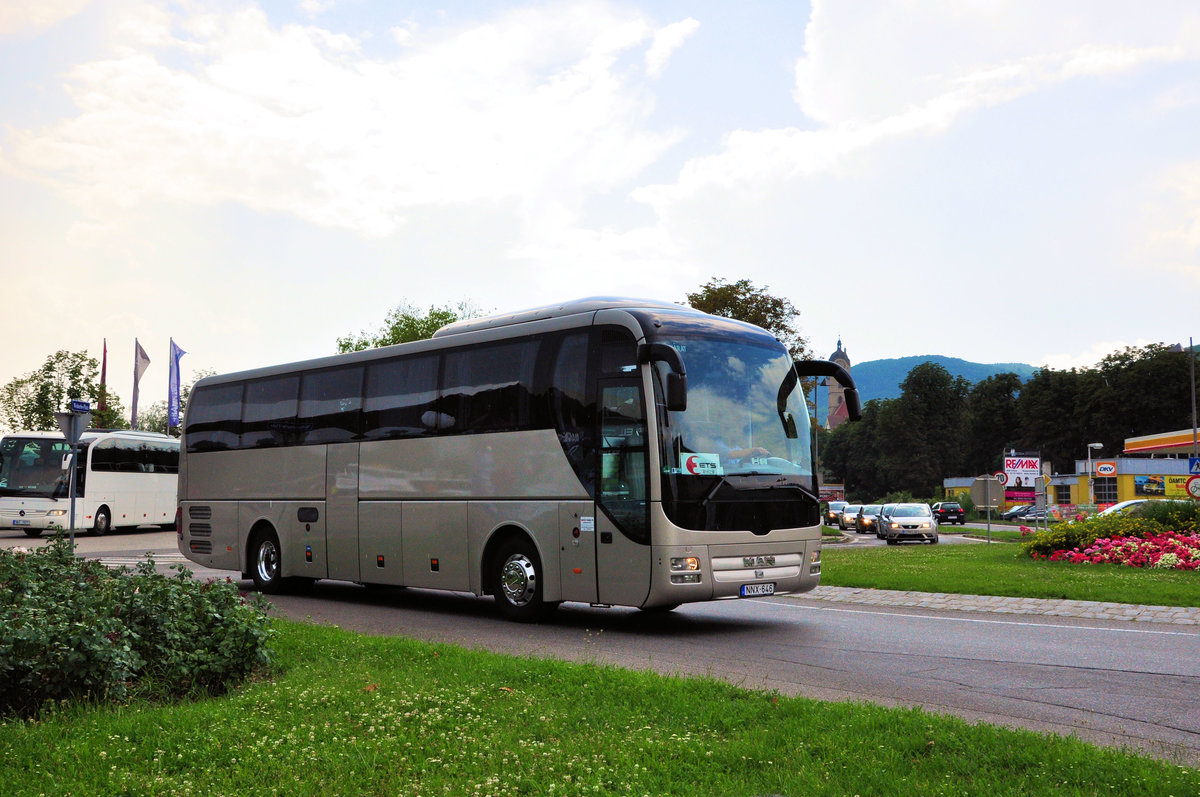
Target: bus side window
{"points": [[269, 414], [329, 405], [489, 388], [574, 415], [214, 418], [400, 398]]}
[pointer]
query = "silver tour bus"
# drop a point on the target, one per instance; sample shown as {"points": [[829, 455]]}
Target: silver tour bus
{"points": [[607, 451]]}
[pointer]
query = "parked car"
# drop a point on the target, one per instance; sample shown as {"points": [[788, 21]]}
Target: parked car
{"points": [[1124, 507], [884, 512], [949, 512], [1032, 514], [1015, 512], [833, 511], [909, 522], [846, 518], [867, 519]]}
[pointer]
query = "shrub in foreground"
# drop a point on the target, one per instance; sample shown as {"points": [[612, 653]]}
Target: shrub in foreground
{"points": [[1067, 536], [73, 629]]}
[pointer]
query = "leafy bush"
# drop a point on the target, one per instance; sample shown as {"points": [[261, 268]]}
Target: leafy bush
{"points": [[1173, 515], [1081, 534], [73, 629]]}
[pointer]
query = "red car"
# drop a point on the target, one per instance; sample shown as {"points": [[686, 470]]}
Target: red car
{"points": [[949, 512]]}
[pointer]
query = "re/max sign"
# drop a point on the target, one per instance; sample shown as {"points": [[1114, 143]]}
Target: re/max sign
{"points": [[1016, 463]]}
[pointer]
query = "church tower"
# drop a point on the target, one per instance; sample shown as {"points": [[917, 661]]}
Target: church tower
{"points": [[837, 412]]}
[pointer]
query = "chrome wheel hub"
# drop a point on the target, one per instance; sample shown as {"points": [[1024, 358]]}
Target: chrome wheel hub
{"points": [[268, 561], [518, 580]]}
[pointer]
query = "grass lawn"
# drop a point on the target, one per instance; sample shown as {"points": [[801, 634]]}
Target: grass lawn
{"points": [[1002, 569], [352, 714]]}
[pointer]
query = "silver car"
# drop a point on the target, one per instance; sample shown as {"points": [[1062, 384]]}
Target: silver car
{"points": [[847, 515], [909, 522]]}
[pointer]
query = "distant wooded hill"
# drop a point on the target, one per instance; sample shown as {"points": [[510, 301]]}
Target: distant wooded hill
{"points": [[880, 379]]}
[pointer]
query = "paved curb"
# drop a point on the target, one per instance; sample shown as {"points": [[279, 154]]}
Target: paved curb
{"points": [[1096, 610]]}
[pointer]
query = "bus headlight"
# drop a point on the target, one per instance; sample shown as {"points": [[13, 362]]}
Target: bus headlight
{"points": [[685, 578], [688, 563], [57, 512]]}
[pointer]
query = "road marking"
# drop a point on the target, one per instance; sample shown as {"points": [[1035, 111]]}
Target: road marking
{"points": [[982, 621]]}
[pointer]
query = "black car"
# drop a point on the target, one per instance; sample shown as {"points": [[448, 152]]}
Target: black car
{"points": [[949, 512]]}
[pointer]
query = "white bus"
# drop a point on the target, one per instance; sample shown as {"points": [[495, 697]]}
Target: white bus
{"points": [[121, 479], [605, 451]]}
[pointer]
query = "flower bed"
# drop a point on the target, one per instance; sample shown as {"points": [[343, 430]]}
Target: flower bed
{"points": [[1168, 551]]}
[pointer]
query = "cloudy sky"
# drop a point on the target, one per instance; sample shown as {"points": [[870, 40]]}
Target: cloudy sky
{"points": [[997, 181]]}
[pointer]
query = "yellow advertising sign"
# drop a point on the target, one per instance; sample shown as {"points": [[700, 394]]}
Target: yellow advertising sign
{"points": [[1176, 487]]}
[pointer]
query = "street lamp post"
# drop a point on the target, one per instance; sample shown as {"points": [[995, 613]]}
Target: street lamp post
{"points": [[1091, 487]]}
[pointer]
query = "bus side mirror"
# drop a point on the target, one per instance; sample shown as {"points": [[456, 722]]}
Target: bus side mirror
{"points": [[676, 392], [789, 426], [676, 380], [827, 368], [66, 461]]}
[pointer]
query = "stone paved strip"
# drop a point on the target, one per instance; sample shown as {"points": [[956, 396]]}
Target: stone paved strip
{"points": [[1177, 615]]}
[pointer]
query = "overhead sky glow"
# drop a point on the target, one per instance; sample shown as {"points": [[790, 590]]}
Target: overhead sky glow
{"points": [[1000, 182]]}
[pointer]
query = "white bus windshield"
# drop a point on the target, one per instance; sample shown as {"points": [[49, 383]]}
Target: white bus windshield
{"points": [[33, 467], [745, 415]]}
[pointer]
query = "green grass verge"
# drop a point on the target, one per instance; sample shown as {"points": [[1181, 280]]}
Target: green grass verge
{"points": [[352, 714], [1002, 569]]}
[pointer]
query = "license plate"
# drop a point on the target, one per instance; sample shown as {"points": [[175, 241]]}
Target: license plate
{"points": [[20, 522], [750, 590]]}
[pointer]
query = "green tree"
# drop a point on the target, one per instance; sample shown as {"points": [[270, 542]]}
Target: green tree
{"points": [[992, 425], [30, 401], [744, 301], [405, 324]]}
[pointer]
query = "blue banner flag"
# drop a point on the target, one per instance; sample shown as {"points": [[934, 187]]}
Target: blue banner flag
{"points": [[173, 386]]}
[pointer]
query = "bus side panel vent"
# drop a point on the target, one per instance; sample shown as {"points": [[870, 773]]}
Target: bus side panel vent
{"points": [[201, 546], [200, 512], [200, 529]]}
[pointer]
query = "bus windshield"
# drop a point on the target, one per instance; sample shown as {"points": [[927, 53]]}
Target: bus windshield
{"points": [[745, 416], [33, 467]]}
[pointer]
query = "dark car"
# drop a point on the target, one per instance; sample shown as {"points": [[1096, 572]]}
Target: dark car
{"points": [[949, 512], [1016, 511], [833, 512], [868, 519]]}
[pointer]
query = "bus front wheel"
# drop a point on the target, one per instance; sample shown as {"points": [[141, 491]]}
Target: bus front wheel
{"points": [[33, 532], [265, 562], [517, 582], [103, 522]]}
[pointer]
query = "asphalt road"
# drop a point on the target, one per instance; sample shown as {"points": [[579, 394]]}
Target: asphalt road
{"points": [[1112, 683]]}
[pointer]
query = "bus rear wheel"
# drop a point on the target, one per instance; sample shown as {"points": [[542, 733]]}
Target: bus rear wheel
{"points": [[265, 563], [103, 522], [517, 582]]}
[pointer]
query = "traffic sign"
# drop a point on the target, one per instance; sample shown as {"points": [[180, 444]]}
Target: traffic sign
{"points": [[78, 405], [1194, 466], [1001, 477]]}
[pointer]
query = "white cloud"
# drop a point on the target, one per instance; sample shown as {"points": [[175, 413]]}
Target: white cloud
{"points": [[1170, 227], [530, 108], [18, 16], [891, 71], [1090, 356], [666, 41]]}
